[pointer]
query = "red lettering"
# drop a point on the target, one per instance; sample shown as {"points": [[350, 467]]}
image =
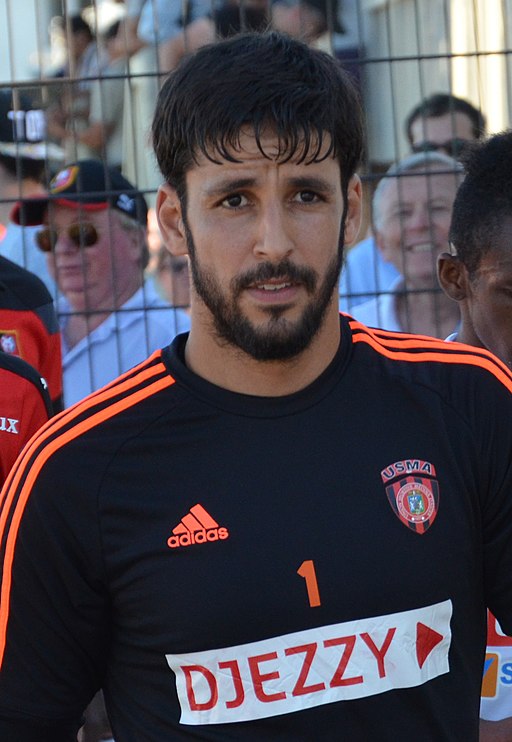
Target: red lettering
{"points": [[338, 680], [379, 654], [232, 665], [301, 688], [210, 679], [494, 637], [258, 679]]}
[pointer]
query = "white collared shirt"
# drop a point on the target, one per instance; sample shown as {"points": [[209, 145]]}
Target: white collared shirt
{"points": [[126, 337], [381, 311]]}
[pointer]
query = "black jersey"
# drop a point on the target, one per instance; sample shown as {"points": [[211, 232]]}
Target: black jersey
{"points": [[231, 567]]}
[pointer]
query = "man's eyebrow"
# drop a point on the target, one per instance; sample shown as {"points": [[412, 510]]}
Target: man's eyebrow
{"points": [[227, 185], [312, 182]]}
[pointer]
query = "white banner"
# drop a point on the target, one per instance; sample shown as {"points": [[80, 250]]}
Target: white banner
{"points": [[313, 667]]}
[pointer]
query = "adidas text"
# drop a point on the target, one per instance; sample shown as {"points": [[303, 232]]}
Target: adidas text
{"points": [[197, 537]]}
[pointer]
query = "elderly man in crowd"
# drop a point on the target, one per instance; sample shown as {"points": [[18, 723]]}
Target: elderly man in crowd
{"points": [[94, 235], [411, 213], [440, 123]]}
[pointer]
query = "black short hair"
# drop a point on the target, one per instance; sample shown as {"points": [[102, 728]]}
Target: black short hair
{"points": [[439, 104], [263, 81], [483, 200]]}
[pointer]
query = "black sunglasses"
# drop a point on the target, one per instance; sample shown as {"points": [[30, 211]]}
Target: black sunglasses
{"points": [[83, 234], [453, 147]]}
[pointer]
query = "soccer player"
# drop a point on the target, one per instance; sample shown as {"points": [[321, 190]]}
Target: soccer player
{"points": [[283, 526], [477, 274]]}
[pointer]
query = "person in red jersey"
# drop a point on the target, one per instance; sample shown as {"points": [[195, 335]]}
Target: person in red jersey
{"points": [[24, 407], [284, 525]]}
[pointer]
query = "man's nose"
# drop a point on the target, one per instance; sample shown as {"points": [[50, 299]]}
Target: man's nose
{"points": [[420, 219], [64, 244], [273, 239]]}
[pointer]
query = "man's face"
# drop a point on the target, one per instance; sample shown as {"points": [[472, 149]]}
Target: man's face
{"points": [[444, 134], [264, 244], [297, 19], [414, 225], [489, 296], [102, 275]]}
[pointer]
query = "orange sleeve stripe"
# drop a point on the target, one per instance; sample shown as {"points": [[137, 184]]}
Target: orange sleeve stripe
{"points": [[33, 472], [405, 340], [448, 355], [419, 342]]}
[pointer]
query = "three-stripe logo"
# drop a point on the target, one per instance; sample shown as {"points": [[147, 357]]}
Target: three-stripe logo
{"points": [[197, 527]]}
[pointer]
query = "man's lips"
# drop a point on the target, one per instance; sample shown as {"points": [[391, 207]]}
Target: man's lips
{"points": [[281, 290], [420, 247]]}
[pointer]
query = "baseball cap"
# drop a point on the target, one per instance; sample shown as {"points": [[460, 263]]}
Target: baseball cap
{"points": [[23, 129], [90, 185]]}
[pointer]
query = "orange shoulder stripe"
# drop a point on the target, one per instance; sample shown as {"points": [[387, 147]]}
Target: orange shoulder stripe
{"points": [[405, 340], [10, 491], [431, 350]]}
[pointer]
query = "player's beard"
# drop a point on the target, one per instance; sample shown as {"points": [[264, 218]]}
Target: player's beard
{"points": [[279, 339]]}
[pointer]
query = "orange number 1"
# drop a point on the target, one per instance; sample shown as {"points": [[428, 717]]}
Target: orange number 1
{"points": [[307, 570]]}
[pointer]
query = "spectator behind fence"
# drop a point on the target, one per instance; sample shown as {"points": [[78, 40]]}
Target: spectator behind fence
{"points": [[24, 160], [156, 21], [477, 274], [228, 19], [313, 21], [442, 122], [411, 216], [101, 135], [95, 242], [68, 116]]}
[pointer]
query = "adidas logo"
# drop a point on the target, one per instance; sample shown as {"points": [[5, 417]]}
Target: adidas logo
{"points": [[197, 527]]}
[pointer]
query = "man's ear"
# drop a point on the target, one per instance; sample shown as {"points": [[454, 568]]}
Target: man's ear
{"points": [[452, 276], [170, 220], [354, 210]]}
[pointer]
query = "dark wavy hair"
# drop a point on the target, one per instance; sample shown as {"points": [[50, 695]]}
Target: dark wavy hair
{"points": [[264, 81], [484, 198]]}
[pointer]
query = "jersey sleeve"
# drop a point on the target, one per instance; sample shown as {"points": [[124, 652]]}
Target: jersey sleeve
{"points": [[54, 610], [494, 434]]}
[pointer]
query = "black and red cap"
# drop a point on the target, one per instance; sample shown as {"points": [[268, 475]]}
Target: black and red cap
{"points": [[89, 185]]}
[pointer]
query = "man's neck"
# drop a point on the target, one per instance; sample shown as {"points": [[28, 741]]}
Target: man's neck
{"points": [[230, 368]]}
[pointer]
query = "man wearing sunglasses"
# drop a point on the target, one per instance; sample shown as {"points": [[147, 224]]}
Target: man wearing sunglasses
{"points": [[440, 123], [94, 236]]}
